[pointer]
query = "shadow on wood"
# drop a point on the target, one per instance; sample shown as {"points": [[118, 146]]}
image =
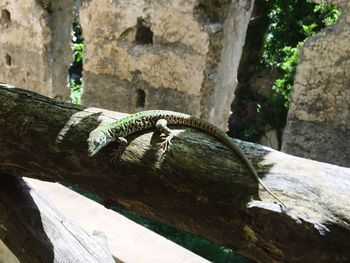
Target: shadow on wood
{"points": [[203, 188], [36, 232]]}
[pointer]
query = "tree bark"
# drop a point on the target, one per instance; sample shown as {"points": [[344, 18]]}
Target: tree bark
{"points": [[200, 186], [36, 232]]}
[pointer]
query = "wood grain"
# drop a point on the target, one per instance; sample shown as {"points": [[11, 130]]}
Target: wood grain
{"points": [[200, 187]]}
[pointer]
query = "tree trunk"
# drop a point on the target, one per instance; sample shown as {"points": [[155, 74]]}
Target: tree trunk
{"points": [[200, 186]]}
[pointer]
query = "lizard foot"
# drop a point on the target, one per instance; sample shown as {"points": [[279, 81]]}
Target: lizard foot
{"points": [[165, 145], [167, 135], [117, 153]]}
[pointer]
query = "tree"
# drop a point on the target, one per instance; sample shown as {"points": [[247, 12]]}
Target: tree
{"points": [[202, 188]]}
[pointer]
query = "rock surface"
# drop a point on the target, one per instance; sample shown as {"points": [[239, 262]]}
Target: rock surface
{"points": [[35, 45], [178, 55], [270, 139], [318, 124]]}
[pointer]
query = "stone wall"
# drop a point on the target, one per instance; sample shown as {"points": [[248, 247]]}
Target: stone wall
{"points": [[181, 55], [35, 45], [318, 124], [178, 55]]}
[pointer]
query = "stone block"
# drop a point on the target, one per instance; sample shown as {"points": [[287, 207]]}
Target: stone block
{"points": [[35, 51], [318, 125], [176, 55]]}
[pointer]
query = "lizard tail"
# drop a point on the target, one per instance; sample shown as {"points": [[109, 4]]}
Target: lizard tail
{"points": [[216, 132], [242, 155]]}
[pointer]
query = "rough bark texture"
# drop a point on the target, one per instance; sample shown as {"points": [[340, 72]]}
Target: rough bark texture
{"points": [[127, 240], [202, 187], [36, 232], [318, 125]]}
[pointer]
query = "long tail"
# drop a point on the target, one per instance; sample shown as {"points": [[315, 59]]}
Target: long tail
{"points": [[242, 155], [180, 118]]}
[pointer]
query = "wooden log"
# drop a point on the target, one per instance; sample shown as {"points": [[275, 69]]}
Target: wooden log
{"points": [[36, 232], [202, 187]]}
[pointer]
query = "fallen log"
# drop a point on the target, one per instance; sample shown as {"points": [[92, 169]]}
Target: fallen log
{"points": [[200, 186], [36, 231]]}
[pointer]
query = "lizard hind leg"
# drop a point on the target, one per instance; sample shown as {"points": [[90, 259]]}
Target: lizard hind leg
{"points": [[167, 134], [117, 153]]}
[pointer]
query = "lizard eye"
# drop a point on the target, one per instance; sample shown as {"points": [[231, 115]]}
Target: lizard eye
{"points": [[98, 141]]}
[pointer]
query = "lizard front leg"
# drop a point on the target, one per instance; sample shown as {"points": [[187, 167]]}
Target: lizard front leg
{"points": [[167, 134], [117, 153]]}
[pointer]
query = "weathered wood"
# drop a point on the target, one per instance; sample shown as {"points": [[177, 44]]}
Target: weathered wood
{"points": [[36, 232], [202, 187]]}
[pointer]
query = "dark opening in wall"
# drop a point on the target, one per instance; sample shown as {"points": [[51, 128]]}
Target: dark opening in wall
{"points": [[144, 35], [140, 98], [8, 60], [5, 16]]}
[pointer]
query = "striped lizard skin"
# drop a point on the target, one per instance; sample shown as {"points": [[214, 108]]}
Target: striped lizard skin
{"points": [[159, 119]]}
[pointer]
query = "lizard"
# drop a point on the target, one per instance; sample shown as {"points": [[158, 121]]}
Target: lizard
{"points": [[159, 119]]}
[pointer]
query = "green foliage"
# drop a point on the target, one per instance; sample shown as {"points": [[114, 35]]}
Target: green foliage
{"points": [[76, 91], [288, 65], [291, 23], [329, 13], [78, 51], [75, 70], [287, 25]]}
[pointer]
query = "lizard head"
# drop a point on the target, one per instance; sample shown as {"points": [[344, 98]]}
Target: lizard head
{"points": [[97, 140]]}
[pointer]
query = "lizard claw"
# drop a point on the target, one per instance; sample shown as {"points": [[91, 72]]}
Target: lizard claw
{"points": [[165, 145], [166, 135], [116, 155]]}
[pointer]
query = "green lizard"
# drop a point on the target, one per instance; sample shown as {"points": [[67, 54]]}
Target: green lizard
{"points": [[159, 119]]}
